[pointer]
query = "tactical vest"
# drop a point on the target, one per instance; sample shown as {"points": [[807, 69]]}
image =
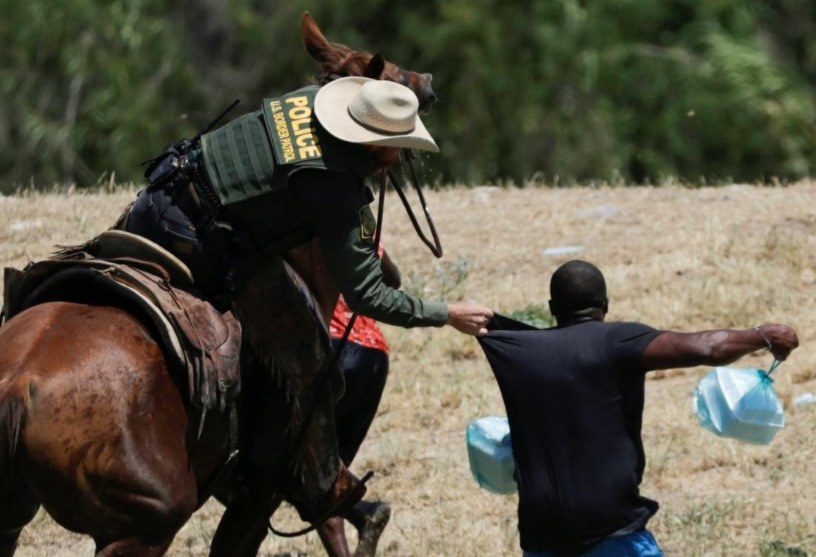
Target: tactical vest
{"points": [[257, 153]]}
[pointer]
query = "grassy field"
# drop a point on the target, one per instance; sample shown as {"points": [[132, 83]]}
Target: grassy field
{"points": [[674, 258]]}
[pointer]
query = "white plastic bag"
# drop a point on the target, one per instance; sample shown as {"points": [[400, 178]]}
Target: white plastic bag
{"points": [[739, 403]]}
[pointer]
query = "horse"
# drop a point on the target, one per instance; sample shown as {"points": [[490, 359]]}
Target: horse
{"points": [[338, 60], [94, 426]]}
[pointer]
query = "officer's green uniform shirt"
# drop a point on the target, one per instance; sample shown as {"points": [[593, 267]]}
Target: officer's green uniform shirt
{"points": [[283, 179]]}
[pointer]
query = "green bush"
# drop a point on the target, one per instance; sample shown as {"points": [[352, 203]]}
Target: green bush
{"points": [[567, 90]]}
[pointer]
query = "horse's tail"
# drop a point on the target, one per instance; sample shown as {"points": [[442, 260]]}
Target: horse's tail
{"points": [[12, 419]]}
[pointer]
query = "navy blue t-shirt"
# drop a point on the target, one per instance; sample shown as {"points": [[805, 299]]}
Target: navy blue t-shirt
{"points": [[574, 399]]}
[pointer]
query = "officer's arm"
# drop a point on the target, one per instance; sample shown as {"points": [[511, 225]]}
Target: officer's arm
{"points": [[391, 274], [718, 347], [333, 201]]}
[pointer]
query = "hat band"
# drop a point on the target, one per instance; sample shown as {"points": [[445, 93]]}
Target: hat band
{"points": [[376, 129]]}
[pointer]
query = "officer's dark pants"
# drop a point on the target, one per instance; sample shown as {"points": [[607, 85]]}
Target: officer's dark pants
{"points": [[169, 220], [365, 371]]}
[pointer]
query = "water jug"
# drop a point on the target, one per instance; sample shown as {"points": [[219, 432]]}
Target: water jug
{"points": [[490, 454], [739, 403]]}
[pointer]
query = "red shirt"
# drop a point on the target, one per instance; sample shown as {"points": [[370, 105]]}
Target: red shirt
{"points": [[365, 332]]}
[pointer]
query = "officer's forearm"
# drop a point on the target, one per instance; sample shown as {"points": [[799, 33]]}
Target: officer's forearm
{"points": [[395, 307]]}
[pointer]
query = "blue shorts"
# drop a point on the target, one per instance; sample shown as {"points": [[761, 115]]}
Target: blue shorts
{"points": [[636, 544]]}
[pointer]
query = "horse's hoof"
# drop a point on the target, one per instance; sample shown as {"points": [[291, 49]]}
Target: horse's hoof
{"points": [[374, 517]]}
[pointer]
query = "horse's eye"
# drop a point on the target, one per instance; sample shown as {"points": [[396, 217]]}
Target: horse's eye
{"points": [[401, 78]]}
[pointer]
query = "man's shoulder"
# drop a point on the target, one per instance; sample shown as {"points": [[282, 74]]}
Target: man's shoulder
{"points": [[625, 324], [627, 340], [628, 326]]}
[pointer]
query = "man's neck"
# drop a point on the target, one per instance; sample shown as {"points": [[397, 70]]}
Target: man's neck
{"points": [[579, 317]]}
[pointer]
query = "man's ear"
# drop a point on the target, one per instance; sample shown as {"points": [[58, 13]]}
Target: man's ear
{"points": [[375, 67], [606, 306], [552, 307], [316, 44]]}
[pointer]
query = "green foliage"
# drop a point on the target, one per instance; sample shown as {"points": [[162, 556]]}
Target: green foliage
{"points": [[443, 283], [568, 90], [537, 315], [777, 548], [88, 87]]}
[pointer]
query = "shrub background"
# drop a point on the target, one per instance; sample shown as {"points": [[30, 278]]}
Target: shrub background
{"points": [[565, 90]]}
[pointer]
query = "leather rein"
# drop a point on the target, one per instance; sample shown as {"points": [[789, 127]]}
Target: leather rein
{"points": [[434, 245]]}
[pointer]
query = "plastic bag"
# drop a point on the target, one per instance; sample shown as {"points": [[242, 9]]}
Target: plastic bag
{"points": [[739, 403], [490, 454]]}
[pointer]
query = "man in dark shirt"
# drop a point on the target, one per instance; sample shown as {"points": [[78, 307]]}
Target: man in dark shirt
{"points": [[574, 396]]}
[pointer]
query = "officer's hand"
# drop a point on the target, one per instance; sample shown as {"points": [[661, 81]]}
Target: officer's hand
{"points": [[783, 339], [469, 318]]}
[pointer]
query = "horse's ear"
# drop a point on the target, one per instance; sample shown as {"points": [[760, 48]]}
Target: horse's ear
{"points": [[316, 44], [375, 67]]}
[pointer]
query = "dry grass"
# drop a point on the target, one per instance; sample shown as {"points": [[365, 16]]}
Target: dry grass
{"points": [[674, 258]]}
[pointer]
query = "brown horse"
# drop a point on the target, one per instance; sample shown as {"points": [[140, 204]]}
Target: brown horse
{"points": [[96, 429], [337, 60]]}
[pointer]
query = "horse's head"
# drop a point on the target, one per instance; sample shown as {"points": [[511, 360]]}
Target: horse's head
{"points": [[337, 60]]}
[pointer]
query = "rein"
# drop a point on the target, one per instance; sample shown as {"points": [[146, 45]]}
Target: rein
{"points": [[318, 523], [377, 236], [332, 363], [435, 245]]}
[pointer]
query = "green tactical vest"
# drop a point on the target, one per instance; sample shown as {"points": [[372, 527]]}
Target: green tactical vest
{"points": [[257, 152]]}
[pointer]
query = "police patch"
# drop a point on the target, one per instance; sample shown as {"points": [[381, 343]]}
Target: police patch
{"points": [[368, 223], [291, 126]]}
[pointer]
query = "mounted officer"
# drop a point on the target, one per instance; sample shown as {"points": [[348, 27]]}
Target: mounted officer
{"points": [[294, 172]]}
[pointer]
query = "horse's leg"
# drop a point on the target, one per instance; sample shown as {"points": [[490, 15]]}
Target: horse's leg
{"points": [[104, 442], [333, 536], [370, 519], [133, 548], [17, 507], [243, 527]]}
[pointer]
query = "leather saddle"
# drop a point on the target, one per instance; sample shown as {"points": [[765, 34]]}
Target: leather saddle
{"points": [[129, 271]]}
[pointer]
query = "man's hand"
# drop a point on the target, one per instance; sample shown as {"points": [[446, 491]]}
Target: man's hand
{"points": [[469, 318], [783, 339]]}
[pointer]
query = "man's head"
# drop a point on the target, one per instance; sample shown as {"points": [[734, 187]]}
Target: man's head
{"points": [[578, 293]]}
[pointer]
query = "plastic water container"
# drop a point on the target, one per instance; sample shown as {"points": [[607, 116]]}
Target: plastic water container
{"points": [[739, 403], [490, 454]]}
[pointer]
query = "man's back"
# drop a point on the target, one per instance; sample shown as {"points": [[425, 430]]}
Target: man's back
{"points": [[574, 398]]}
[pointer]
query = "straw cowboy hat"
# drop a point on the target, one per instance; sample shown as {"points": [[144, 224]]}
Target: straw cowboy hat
{"points": [[372, 112]]}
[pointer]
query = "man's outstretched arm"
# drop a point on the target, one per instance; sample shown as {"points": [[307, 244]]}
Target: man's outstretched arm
{"points": [[719, 347]]}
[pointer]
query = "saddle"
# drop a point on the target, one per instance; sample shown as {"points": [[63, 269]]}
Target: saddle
{"points": [[122, 269]]}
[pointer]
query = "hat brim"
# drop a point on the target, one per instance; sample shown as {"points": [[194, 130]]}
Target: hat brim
{"points": [[331, 109]]}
